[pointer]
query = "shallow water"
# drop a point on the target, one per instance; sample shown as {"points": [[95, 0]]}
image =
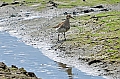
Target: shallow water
{"points": [[14, 52]]}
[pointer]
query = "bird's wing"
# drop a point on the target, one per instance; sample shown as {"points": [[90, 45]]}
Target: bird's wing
{"points": [[58, 25]]}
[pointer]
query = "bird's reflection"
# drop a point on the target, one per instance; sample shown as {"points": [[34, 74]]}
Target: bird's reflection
{"points": [[68, 70]]}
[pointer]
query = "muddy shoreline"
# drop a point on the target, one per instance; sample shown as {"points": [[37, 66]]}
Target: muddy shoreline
{"points": [[14, 72], [35, 28]]}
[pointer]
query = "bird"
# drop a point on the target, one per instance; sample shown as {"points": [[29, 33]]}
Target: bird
{"points": [[63, 26]]}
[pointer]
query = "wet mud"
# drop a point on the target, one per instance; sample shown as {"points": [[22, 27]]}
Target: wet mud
{"points": [[35, 29]]}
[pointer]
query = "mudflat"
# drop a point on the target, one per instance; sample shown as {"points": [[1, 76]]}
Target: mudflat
{"points": [[88, 39]]}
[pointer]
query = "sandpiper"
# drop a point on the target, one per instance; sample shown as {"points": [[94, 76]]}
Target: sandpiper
{"points": [[64, 26]]}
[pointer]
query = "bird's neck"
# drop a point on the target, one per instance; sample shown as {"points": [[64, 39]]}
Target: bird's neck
{"points": [[67, 24], [67, 20]]}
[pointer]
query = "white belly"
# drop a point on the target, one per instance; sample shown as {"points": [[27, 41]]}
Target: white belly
{"points": [[61, 30]]}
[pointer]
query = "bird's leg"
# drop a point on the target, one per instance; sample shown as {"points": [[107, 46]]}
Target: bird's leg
{"points": [[58, 36], [64, 36]]}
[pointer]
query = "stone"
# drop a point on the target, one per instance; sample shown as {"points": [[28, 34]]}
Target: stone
{"points": [[2, 65], [30, 74], [88, 10], [104, 9], [98, 6], [53, 4], [94, 61], [15, 2], [4, 4], [13, 66]]}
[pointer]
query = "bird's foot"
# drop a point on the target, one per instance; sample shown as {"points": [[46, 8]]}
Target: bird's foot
{"points": [[65, 39], [60, 41]]}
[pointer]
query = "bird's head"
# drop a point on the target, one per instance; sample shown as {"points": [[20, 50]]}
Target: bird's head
{"points": [[69, 16]]}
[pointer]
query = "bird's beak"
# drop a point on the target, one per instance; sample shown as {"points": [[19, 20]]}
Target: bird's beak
{"points": [[72, 18]]}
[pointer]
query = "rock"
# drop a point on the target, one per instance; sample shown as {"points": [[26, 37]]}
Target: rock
{"points": [[65, 13], [88, 10], [2, 65], [104, 9], [27, 14], [106, 70], [94, 61], [4, 4], [13, 66], [12, 15], [15, 2], [53, 3], [22, 70], [75, 13], [84, 59], [98, 6], [12, 73], [30, 74]]}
